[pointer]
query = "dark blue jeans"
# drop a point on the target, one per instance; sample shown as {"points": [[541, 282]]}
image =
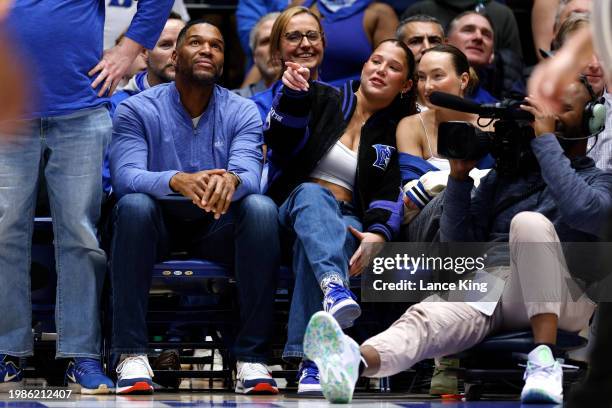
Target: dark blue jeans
{"points": [[323, 245], [247, 237]]}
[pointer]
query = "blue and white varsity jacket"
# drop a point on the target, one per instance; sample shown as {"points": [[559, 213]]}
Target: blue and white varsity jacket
{"points": [[301, 128]]}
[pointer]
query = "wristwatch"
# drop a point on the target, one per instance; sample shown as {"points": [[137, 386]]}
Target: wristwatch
{"points": [[237, 178]]}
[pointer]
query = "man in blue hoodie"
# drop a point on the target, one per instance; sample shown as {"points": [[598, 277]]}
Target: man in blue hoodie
{"points": [[63, 136], [193, 138], [159, 71]]}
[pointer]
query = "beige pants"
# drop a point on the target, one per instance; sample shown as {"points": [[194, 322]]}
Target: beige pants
{"points": [[537, 272]]}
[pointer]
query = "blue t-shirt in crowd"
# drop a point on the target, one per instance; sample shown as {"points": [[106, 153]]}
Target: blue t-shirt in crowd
{"points": [[62, 41], [154, 138]]}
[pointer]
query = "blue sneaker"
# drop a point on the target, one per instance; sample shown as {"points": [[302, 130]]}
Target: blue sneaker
{"points": [[85, 375], [11, 376], [341, 303], [308, 379]]}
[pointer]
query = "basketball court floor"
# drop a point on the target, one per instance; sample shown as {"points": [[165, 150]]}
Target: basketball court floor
{"points": [[224, 399]]}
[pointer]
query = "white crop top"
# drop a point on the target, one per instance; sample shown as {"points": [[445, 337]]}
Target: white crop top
{"points": [[440, 162], [338, 166]]}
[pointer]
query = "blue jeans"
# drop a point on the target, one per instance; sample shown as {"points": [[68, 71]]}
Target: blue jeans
{"points": [[323, 246], [70, 150], [246, 236]]}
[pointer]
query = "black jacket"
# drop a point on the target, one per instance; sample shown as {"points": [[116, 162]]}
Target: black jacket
{"points": [[301, 128]]}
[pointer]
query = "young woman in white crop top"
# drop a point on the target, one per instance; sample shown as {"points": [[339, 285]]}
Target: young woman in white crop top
{"points": [[332, 211]]}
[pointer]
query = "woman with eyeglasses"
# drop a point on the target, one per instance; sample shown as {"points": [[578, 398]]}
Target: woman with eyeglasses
{"points": [[335, 175], [353, 29], [297, 36]]}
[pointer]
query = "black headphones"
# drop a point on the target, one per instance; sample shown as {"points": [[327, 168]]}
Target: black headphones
{"points": [[594, 113]]}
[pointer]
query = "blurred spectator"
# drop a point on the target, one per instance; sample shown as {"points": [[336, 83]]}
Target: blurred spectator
{"points": [[548, 15], [420, 32], [158, 63], [63, 137], [500, 73], [248, 13], [593, 71], [198, 139], [501, 16], [259, 42], [138, 64], [600, 147], [567, 7], [360, 23], [119, 13]]}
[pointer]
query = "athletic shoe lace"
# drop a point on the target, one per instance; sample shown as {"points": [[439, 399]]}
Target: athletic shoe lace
{"points": [[253, 370], [336, 290], [309, 369], [137, 363], [540, 372]]}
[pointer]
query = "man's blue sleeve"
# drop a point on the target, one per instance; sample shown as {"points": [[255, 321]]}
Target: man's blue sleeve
{"points": [[246, 155], [149, 21], [129, 153]]}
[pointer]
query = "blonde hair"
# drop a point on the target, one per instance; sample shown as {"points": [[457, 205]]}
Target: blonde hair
{"points": [[279, 27]]}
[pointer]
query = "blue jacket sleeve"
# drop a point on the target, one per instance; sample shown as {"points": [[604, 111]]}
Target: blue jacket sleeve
{"points": [[413, 167], [583, 206], [128, 157], [246, 156], [466, 219], [149, 21]]}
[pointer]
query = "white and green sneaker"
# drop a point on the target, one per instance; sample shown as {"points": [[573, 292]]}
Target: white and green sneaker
{"points": [[336, 355], [543, 378]]}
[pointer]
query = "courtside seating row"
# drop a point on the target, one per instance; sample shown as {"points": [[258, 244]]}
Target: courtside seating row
{"points": [[211, 325]]}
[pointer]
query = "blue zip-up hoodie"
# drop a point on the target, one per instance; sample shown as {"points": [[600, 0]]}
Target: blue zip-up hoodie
{"points": [[154, 138]]}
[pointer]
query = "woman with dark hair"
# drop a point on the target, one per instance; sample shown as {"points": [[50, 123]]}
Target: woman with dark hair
{"points": [[334, 173], [443, 68]]}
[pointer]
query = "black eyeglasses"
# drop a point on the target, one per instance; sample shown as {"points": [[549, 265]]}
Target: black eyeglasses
{"points": [[295, 37]]}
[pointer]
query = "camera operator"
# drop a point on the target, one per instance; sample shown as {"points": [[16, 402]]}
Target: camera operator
{"points": [[571, 205], [574, 200]]}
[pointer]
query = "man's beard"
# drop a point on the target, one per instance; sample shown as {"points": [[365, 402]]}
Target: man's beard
{"points": [[199, 79], [164, 75]]}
